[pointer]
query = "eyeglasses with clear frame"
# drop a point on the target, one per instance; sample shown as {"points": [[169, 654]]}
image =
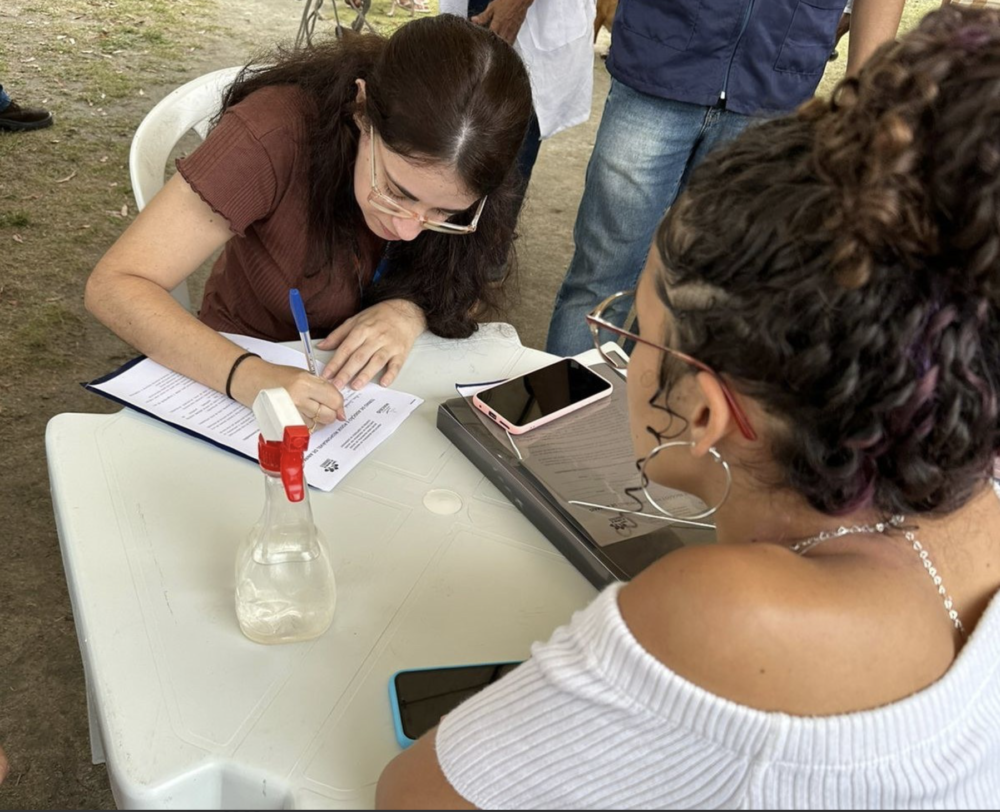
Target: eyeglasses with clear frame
{"points": [[385, 204], [597, 322]]}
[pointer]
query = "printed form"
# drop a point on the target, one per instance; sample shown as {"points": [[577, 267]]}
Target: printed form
{"points": [[373, 413]]}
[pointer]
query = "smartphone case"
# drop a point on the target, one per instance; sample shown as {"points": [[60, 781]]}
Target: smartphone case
{"points": [[397, 720], [403, 740], [496, 418]]}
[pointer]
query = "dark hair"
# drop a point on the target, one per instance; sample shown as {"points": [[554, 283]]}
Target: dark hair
{"points": [[440, 89], [841, 267]]}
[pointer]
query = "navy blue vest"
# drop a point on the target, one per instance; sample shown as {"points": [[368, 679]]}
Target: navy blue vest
{"points": [[763, 57]]}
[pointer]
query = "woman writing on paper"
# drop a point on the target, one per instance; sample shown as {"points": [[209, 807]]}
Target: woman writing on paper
{"points": [[324, 166], [818, 359]]}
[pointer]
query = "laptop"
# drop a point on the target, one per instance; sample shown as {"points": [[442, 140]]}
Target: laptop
{"points": [[585, 457]]}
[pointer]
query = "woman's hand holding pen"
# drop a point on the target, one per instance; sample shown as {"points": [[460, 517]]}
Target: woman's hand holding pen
{"points": [[318, 401], [380, 336]]}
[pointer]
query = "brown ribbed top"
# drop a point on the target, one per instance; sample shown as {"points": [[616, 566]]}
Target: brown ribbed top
{"points": [[253, 169]]}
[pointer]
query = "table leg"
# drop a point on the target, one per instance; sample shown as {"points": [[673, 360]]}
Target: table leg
{"points": [[96, 740]]}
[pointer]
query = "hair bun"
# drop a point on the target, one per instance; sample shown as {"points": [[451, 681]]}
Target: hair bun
{"points": [[912, 149], [843, 273]]}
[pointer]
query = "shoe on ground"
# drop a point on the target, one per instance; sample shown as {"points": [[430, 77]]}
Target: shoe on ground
{"points": [[16, 117]]}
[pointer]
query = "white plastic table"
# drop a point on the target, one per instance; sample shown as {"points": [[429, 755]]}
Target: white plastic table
{"points": [[184, 709]]}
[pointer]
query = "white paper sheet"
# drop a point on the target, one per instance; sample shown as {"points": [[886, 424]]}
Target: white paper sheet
{"points": [[373, 413]]}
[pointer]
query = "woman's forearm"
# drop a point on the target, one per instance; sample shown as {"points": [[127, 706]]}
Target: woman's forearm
{"points": [[129, 289], [143, 314], [873, 22], [146, 316]]}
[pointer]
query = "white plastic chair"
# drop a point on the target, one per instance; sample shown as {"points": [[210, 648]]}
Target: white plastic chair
{"points": [[190, 107]]}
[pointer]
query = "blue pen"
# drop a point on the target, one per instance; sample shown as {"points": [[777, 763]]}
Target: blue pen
{"points": [[302, 325]]}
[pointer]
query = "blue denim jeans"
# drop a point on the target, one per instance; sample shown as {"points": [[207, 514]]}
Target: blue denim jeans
{"points": [[4, 100], [646, 147]]}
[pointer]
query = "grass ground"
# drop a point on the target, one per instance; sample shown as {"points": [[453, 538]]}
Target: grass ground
{"points": [[64, 198]]}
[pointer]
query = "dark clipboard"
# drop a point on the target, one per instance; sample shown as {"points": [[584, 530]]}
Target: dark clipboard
{"points": [[91, 386]]}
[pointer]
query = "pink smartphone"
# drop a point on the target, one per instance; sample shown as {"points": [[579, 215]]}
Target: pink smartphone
{"points": [[529, 401]]}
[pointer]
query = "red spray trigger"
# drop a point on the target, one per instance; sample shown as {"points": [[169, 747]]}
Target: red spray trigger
{"points": [[283, 439], [293, 446]]}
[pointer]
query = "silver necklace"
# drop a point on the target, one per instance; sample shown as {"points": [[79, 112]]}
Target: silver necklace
{"points": [[880, 528]]}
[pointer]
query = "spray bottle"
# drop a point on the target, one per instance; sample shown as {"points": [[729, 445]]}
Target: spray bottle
{"points": [[285, 590]]}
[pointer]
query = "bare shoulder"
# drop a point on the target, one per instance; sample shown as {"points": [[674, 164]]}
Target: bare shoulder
{"points": [[772, 630], [414, 780]]}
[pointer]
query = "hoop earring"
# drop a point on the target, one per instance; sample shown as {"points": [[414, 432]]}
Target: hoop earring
{"points": [[675, 444]]}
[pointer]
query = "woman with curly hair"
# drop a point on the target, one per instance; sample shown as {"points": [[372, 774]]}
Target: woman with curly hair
{"points": [[818, 359], [376, 176]]}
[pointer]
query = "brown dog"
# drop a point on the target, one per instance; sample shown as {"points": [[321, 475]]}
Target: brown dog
{"points": [[605, 15]]}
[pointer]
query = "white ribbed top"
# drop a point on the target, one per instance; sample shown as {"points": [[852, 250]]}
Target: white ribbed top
{"points": [[593, 721]]}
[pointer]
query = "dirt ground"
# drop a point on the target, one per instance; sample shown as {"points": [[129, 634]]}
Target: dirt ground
{"points": [[100, 65]]}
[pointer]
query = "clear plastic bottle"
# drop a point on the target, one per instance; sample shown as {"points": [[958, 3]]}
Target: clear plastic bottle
{"points": [[285, 590]]}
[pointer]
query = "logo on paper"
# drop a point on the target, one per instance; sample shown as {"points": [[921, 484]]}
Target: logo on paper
{"points": [[623, 525], [330, 466]]}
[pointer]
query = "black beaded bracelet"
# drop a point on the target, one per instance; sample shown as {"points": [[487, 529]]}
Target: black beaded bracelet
{"points": [[232, 370]]}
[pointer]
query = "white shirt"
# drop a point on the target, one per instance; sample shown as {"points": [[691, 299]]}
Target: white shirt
{"points": [[593, 721], [556, 44]]}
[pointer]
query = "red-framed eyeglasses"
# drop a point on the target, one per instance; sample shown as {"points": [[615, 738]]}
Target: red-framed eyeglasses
{"points": [[597, 322]]}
